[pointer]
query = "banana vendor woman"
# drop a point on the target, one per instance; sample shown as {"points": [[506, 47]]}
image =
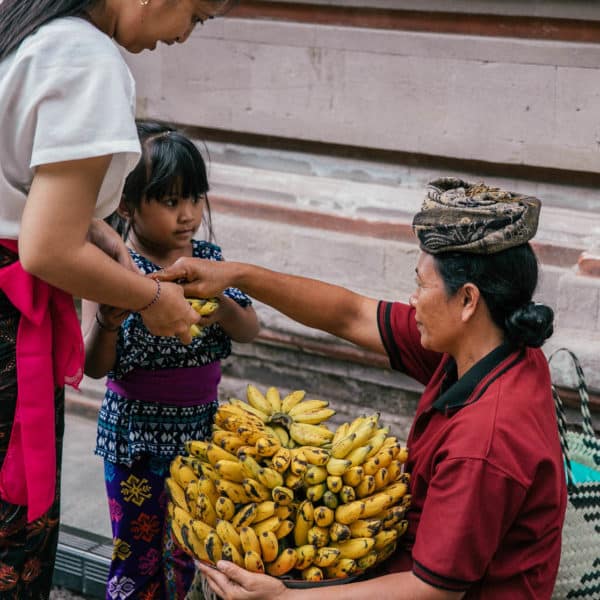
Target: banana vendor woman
{"points": [[487, 481]]}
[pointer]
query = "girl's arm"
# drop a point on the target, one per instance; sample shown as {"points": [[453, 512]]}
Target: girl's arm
{"points": [[239, 323], [235, 583], [54, 246], [100, 325], [314, 303]]}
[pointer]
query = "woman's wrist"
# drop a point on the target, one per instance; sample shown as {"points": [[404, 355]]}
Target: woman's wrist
{"points": [[155, 298]]}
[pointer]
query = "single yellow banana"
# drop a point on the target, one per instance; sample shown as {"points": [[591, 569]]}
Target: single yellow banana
{"points": [[347, 494], [307, 406], [267, 446], [304, 521], [264, 510], [234, 491], [314, 417], [376, 503], [274, 399], [250, 466], [205, 509], [334, 483], [269, 546], [367, 561], [285, 528], [213, 547], [298, 464], [253, 562], [259, 414], [356, 547], [228, 533], [401, 527], [382, 459], [284, 512], [176, 493], [318, 536], [340, 432], [214, 454], [249, 540], [195, 544], [269, 477], [245, 516], [283, 564], [291, 400], [257, 400], [343, 568], [197, 448], [227, 440], [232, 554], [348, 513], [337, 466], [281, 460], [207, 486], [282, 495], [385, 537], [282, 434], [315, 474], [312, 574], [377, 439], [310, 435], [339, 532], [230, 470], [191, 493], [256, 490], [326, 556], [381, 478], [269, 524], [357, 456], [353, 476], [201, 529], [366, 487], [305, 556], [315, 492], [364, 528], [323, 516], [224, 508]]}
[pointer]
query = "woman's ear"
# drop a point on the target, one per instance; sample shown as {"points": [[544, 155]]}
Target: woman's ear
{"points": [[470, 300]]}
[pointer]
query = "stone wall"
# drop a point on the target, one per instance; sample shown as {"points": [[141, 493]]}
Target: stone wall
{"points": [[323, 123]]}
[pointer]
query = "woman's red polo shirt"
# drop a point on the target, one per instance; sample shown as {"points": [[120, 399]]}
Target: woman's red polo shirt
{"points": [[487, 480]]}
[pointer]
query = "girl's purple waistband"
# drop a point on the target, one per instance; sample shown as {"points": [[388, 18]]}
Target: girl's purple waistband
{"points": [[187, 386]]}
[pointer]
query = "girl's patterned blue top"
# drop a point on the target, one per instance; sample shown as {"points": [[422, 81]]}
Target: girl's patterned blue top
{"points": [[130, 428]]}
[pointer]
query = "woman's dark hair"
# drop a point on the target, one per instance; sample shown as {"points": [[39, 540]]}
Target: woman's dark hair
{"points": [[170, 162], [506, 281], [20, 18]]}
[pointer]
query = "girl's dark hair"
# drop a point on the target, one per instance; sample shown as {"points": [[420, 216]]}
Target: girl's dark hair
{"points": [[506, 281], [20, 18], [169, 161]]}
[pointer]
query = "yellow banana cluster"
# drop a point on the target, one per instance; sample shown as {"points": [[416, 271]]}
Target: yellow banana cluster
{"points": [[203, 306], [288, 497]]}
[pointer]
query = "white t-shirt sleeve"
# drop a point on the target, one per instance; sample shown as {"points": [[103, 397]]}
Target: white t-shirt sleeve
{"points": [[84, 107]]}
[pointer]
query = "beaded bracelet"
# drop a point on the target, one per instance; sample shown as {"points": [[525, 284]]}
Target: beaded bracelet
{"points": [[105, 326], [154, 300]]}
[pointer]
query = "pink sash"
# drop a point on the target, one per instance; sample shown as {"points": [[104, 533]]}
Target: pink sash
{"points": [[50, 353]]}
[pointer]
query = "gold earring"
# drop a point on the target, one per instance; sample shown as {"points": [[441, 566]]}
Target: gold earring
{"points": [[144, 2]]}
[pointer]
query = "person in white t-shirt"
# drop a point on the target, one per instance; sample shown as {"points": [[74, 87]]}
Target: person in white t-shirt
{"points": [[68, 140]]}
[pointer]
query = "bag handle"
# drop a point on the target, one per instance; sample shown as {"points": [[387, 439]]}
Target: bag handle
{"points": [[582, 390], [586, 417]]}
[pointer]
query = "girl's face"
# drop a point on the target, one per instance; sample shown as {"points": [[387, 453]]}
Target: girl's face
{"points": [[169, 223], [438, 315], [139, 25]]}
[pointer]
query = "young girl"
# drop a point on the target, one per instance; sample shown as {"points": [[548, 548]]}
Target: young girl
{"points": [[67, 105], [160, 392]]}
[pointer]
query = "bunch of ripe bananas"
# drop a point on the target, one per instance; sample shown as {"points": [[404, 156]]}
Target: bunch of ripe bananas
{"points": [[203, 306], [312, 504]]}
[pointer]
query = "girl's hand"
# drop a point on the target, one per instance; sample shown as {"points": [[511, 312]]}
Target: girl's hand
{"points": [[111, 317], [234, 583]]}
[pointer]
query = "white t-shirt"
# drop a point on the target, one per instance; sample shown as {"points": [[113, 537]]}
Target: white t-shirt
{"points": [[65, 94]]}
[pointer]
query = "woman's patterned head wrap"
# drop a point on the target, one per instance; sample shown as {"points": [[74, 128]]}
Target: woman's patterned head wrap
{"points": [[472, 217]]}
